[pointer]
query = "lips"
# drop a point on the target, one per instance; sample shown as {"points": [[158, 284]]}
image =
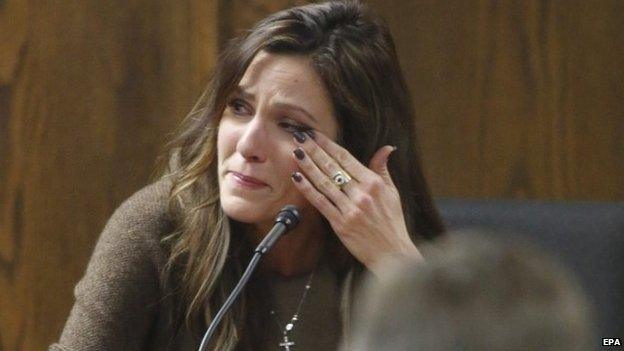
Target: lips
{"points": [[247, 180]]}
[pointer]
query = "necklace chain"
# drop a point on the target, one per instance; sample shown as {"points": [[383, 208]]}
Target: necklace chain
{"points": [[286, 343]]}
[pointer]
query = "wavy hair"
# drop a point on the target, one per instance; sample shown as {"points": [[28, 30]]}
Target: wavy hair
{"points": [[353, 53]]}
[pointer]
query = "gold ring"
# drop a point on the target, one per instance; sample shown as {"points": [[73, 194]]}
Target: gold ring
{"points": [[340, 178]]}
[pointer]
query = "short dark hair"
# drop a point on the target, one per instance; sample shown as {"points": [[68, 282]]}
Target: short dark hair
{"points": [[474, 293]]}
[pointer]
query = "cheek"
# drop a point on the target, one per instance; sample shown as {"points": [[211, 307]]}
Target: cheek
{"points": [[283, 162], [226, 141]]}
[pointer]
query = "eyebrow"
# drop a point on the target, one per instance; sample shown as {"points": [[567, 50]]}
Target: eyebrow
{"points": [[246, 95]]}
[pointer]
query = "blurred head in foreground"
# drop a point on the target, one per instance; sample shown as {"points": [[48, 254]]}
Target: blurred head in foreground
{"points": [[473, 293]]}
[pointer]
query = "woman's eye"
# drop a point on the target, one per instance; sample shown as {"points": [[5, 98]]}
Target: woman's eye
{"points": [[238, 106], [290, 127]]}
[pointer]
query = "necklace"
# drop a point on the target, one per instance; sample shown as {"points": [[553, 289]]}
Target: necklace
{"points": [[287, 343]]}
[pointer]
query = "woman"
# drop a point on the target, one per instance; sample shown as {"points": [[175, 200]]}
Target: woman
{"points": [[305, 110]]}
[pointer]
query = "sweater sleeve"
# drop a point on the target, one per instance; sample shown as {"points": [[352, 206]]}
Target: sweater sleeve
{"points": [[116, 301]]}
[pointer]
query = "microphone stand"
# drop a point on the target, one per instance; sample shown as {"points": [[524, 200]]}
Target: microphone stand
{"points": [[286, 220]]}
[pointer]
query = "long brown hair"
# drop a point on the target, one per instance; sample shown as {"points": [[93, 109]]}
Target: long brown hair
{"points": [[354, 54]]}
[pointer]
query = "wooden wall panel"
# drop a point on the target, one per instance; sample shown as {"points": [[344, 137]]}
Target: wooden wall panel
{"points": [[88, 92], [516, 99]]}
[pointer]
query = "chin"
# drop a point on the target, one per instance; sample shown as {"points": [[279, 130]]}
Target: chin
{"points": [[246, 212]]}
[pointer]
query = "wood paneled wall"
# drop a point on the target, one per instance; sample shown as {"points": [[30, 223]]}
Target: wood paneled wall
{"points": [[88, 92], [515, 99]]}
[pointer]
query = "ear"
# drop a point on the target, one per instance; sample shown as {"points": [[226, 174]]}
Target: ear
{"points": [[379, 163]]}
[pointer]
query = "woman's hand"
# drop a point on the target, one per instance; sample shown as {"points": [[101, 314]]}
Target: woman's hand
{"points": [[366, 212]]}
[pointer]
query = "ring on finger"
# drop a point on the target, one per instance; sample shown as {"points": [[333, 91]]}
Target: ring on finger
{"points": [[340, 178]]}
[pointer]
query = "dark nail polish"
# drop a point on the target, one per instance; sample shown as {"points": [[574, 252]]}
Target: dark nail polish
{"points": [[299, 153], [300, 136], [296, 176], [310, 132]]}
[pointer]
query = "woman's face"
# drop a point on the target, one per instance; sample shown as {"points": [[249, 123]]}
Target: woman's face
{"points": [[278, 94]]}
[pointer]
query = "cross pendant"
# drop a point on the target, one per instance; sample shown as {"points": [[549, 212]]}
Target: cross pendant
{"points": [[286, 344]]}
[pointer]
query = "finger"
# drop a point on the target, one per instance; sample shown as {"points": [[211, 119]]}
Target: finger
{"points": [[320, 180], [343, 157], [325, 163], [379, 163], [316, 198]]}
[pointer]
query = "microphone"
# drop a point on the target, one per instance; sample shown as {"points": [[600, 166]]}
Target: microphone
{"points": [[287, 219]]}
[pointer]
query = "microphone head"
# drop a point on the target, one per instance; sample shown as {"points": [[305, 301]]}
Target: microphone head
{"points": [[289, 215]]}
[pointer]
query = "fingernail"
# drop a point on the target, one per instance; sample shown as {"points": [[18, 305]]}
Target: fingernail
{"points": [[394, 148], [299, 154], [310, 132], [300, 136], [296, 176]]}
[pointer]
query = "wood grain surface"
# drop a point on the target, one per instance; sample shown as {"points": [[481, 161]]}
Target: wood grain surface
{"points": [[515, 99], [88, 92]]}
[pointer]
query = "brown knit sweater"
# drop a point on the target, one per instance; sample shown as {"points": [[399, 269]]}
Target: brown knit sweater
{"points": [[118, 300]]}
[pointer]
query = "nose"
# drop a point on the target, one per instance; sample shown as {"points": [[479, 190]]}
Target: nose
{"points": [[252, 143]]}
